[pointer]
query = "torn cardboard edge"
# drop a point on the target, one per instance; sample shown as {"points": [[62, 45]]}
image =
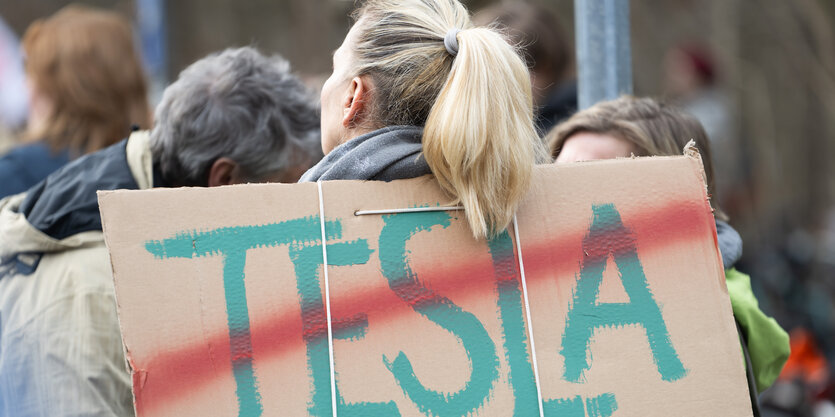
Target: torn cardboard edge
{"points": [[138, 376]]}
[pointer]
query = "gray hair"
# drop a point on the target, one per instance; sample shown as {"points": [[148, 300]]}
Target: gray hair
{"points": [[236, 104]]}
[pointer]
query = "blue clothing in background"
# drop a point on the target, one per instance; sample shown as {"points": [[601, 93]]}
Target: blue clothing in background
{"points": [[27, 165]]}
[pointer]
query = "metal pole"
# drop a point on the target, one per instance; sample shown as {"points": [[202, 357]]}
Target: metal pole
{"points": [[604, 61]]}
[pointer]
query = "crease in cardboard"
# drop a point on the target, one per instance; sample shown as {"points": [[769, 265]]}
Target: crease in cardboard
{"points": [[204, 331]]}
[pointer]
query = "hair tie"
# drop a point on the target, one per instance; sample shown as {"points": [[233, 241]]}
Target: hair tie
{"points": [[451, 41]]}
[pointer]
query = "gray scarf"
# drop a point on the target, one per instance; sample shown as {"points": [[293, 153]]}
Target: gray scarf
{"points": [[387, 154], [730, 243]]}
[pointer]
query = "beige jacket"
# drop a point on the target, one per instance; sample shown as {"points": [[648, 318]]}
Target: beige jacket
{"points": [[60, 347]]}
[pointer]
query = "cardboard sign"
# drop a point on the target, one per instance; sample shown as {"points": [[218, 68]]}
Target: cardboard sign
{"points": [[221, 299]]}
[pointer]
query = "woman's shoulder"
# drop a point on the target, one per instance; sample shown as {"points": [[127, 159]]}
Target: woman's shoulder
{"points": [[26, 165], [35, 152]]}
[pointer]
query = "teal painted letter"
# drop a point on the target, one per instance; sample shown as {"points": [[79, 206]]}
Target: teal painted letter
{"points": [[599, 406], [307, 261], [484, 364], [512, 314], [232, 243], [608, 236], [565, 407], [602, 405]]}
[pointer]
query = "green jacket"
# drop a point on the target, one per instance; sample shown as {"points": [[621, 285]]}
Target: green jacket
{"points": [[768, 343]]}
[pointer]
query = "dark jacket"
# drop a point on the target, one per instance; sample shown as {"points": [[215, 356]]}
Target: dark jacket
{"points": [[559, 105], [65, 203]]}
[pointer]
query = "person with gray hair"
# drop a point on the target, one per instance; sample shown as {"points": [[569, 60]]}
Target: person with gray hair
{"points": [[232, 117], [236, 94]]}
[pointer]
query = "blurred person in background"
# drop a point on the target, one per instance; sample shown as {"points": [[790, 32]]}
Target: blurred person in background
{"points": [[542, 43], [691, 82], [644, 127], [231, 117], [13, 100], [86, 89]]}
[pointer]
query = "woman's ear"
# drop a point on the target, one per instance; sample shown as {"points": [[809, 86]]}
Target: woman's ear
{"points": [[355, 109]]}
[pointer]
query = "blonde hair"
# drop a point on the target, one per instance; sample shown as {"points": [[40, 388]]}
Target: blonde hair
{"points": [[476, 108], [84, 62], [653, 127]]}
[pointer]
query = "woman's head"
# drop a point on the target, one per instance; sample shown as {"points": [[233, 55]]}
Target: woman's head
{"points": [[392, 64], [86, 80], [630, 126], [474, 103]]}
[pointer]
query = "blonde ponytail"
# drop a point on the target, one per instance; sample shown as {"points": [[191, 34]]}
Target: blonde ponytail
{"points": [[479, 139], [476, 108]]}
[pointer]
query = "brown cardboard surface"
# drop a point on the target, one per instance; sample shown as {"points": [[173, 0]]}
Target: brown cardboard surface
{"points": [[627, 299]]}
